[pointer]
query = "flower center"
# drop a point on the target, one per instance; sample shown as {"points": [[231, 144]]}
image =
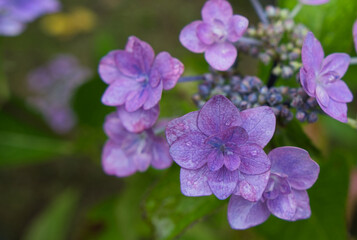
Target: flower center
{"points": [[219, 30]]}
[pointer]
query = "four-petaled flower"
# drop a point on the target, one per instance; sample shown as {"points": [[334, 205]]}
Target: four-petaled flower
{"points": [[314, 2], [14, 14], [321, 78], [136, 80], [285, 196], [220, 150], [126, 153], [216, 34]]}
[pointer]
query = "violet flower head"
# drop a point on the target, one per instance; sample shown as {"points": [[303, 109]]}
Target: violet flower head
{"points": [[321, 78], [355, 34], [314, 2], [215, 34], [126, 153], [136, 77], [220, 150], [285, 196], [15, 14]]}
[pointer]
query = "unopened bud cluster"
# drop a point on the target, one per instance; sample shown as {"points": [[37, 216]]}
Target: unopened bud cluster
{"points": [[281, 42], [248, 92]]}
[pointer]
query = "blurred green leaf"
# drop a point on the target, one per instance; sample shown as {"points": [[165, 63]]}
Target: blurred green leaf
{"points": [[170, 212], [54, 222], [328, 205]]}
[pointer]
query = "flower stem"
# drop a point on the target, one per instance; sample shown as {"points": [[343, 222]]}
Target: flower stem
{"points": [[248, 40], [352, 123], [353, 61], [260, 11], [296, 10], [191, 78]]}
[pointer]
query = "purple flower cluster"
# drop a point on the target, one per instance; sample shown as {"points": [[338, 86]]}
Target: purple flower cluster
{"points": [[52, 87], [126, 153], [220, 151], [136, 80], [321, 78], [216, 34], [15, 14]]}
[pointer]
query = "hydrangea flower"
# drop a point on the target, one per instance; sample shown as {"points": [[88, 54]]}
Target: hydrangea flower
{"points": [[215, 34], [285, 196], [314, 2], [52, 87], [126, 153], [14, 14], [321, 78], [355, 34], [136, 77], [220, 150]]}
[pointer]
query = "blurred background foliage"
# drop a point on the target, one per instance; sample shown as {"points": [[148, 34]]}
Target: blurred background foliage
{"points": [[52, 186]]}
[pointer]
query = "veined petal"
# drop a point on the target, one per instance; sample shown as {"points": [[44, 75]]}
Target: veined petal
{"points": [[322, 96], [336, 110], [127, 63], [108, 69], [253, 159], [308, 82], [221, 56], [194, 182], [215, 160], [284, 206], [303, 209], [223, 182], [205, 33], [237, 26], [301, 170], [251, 187], [114, 129], [260, 124], [190, 40], [182, 127], [312, 54], [336, 62], [142, 52], [161, 158], [243, 214], [136, 99], [218, 115], [154, 96], [217, 9], [117, 92], [339, 91]]}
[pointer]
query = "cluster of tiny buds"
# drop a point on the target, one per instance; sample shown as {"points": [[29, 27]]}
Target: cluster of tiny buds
{"points": [[248, 92], [281, 42]]}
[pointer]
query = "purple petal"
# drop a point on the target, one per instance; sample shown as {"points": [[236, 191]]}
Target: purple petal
{"points": [[170, 69], [205, 33], [117, 92], [336, 110], [251, 187], [336, 62], [10, 27], [141, 159], [161, 157], [301, 170], [303, 209], [115, 162], [194, 182], [218, 115], [154, 96], [243, 214], [312, 54], [221, 56], [114, 129], [314, 2], [190, 40], [127, 63], [215, 160], [308, 82], [142, 52], [322, 96], [223, 182], [139, 120], [355, 34], [260, 124], [136, 99], [339, 91], [182, 127], [237, 26], [253, 159], [190, 151], [108, 69], [284, 206], [217, 9]]}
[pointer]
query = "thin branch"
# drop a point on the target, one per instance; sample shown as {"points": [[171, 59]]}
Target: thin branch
{"points": [[191, 79], [353, 61], [296, 10], [250, 41], [260, 11]]}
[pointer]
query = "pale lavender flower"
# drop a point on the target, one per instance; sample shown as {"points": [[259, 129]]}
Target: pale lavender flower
{"points": [[314, 2], [285, 196], [15, 14], [52, 87], [136, 77], [321, 78], [126, 153], [215, 34], [220, 150], [355, 34]]}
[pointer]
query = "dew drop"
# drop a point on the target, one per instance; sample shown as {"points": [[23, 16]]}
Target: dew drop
{"points": [[188, 143], [254, 153]]}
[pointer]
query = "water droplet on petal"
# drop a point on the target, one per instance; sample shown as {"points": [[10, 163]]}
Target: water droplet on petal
{"points": [[254, 153], [188, 143]]}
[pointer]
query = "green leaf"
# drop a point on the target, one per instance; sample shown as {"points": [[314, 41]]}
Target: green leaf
{"points": [[54, 222], [170, 212], [328, 202]]}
